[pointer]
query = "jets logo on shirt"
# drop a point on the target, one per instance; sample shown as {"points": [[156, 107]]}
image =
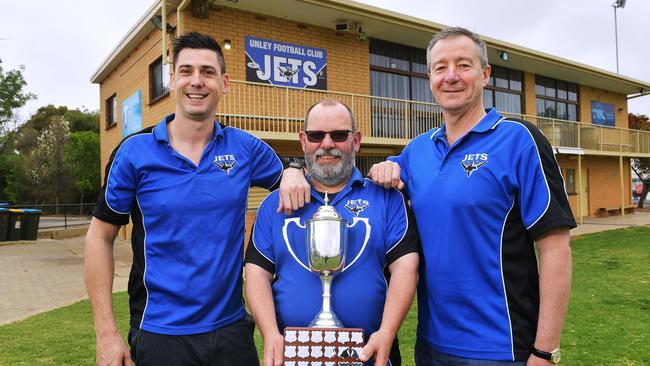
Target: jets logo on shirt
{"points": [[472, 162], [225, 162], [357, 206]]}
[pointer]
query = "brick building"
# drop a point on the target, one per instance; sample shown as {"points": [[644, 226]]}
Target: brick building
{"points": [[283, 55]]}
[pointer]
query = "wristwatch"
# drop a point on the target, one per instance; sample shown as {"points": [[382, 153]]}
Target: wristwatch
{"points": [[554, 356], [295, 165]]}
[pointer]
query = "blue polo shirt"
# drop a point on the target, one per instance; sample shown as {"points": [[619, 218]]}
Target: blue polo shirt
{"points": [[188, 224], [480, 205], [380, 231]]}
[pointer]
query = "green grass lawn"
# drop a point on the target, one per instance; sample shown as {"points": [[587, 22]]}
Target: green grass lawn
{"points": [[608, 321]]}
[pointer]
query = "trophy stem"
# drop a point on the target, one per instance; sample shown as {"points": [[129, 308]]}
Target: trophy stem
{"points": [[326, 280], [326, 317]]}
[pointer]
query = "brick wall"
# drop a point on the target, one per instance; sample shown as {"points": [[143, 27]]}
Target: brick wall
{"points": [[603, 180], [589, 94]]}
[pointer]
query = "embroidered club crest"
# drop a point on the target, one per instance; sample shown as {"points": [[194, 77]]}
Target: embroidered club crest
{"points": [[357, 206], [225, 162], [472, 162]]}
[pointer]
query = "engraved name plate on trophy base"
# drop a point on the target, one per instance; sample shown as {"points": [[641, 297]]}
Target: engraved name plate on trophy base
{"points": [[306, 346]]}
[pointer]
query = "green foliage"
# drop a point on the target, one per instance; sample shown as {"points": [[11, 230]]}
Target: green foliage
{"points": [[48, 169], [83, 161], [607, 323], [641, 166], [12, 97], [79, 119]]}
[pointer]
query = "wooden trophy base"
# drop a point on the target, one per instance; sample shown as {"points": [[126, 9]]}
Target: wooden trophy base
{"points": [[305, 346]]}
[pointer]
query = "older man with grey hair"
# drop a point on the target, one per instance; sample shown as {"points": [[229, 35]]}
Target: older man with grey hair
{"points": [[375, 288], [485, 191]]}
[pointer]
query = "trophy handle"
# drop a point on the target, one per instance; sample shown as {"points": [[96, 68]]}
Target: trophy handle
{"points": [[295, 220], [355, 220]]}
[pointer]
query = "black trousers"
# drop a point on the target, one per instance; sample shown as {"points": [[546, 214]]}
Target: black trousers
{"points": [[230, 345]]}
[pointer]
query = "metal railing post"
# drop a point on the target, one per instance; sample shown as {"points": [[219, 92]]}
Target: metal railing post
{"points": [[286, 105], [407, 106], [620, 140], [601, 139]]}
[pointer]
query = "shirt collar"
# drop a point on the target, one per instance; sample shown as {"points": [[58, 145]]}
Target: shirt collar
{"points": [[160, 131], [489, 121]]}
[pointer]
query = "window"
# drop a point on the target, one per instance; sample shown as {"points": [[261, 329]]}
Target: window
{"points": [[570, 181], [556, 98], [504, 90], [111, 111], [399, 72], [159, 80]]}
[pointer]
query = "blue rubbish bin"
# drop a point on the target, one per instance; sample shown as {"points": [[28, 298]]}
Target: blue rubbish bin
{"points": [[4, 223], [16, 218], [29, 226]]}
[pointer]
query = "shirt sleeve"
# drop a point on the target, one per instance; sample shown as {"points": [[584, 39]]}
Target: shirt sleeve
{"points": [[542, 196], [117, 195], [401, 230], [260, 247], [266, 167]]}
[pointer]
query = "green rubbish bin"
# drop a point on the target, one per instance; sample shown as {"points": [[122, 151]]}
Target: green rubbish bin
{"points": [[4, 223], [16, 218], [29, 226]]}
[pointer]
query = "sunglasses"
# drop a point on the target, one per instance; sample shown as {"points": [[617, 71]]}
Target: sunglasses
{"points": [[336, 135]]}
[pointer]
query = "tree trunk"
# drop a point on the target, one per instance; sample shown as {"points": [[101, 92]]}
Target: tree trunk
{"points": [[644, 194]]}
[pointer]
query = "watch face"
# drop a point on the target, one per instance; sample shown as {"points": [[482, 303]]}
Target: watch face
{"points": [[556, 356]]}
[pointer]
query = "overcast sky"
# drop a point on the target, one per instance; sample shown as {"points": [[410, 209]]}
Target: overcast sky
{"points": [[62, 43]]}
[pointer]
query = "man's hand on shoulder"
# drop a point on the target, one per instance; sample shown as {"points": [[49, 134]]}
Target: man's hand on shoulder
{"points": [[294, 191], [386, 174], [112, 351]]}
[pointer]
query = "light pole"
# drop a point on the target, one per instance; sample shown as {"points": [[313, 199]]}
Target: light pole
{"points": [[617, 4]]}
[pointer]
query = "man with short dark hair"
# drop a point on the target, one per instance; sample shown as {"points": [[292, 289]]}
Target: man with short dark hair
{"points": [[381, 237], [184, 183], [485, 190]]}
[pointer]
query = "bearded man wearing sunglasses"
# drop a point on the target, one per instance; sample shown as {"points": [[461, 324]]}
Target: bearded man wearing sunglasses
{"points": [[376, 286]]}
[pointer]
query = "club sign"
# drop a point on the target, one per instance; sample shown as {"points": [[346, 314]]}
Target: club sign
{"points": [[285, 64]]}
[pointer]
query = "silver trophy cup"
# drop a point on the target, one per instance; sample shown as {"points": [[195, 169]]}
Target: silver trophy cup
{"points": [[327, 239]]}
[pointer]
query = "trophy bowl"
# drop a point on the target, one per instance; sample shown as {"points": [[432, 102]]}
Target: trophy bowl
{"points": [[327, 241]]}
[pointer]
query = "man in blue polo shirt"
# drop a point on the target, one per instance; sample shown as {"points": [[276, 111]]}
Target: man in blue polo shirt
{"points": [[484, 189], [184, 183], [381, 237]]}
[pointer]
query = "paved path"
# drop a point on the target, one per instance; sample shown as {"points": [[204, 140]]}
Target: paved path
{"points": [[47, 274]]}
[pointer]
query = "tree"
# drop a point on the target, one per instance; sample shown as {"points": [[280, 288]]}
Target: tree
{"points": [[12, 97], [83, 161], [641, 166], [48, 169]]}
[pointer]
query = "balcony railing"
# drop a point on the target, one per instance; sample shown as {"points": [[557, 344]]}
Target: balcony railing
{"points": [[280, 111], [562, 133]]}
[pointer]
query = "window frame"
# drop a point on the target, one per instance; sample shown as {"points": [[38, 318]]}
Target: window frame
{"points": [[411, 59], [111, 111], [152, 88], [570, 181], [492, 87], [545, 82]]}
